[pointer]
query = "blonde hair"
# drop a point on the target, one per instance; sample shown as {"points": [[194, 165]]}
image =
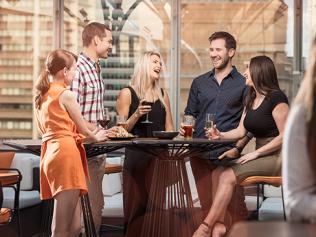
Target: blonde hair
{"points": [[141, 80], [307, 97]]}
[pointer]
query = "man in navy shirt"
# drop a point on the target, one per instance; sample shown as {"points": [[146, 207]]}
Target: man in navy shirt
{"points": [[220, 91]]}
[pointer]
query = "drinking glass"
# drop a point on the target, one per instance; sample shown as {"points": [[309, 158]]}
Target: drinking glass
{"points": [[121, 121], [188, 124], [104, 118], [209, 121], [150, 104]]}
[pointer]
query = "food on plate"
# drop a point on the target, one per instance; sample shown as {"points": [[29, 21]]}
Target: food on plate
{"points": [[121, 132]]}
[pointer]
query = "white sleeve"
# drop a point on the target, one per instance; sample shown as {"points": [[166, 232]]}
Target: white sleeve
{"points": [[298, 178]]}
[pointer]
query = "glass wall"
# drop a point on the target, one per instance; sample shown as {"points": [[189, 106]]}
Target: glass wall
{"points": [[25, 38], [309, 29], [260, 27], [133, 33]]}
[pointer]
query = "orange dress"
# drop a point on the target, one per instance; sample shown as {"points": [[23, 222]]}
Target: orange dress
{"points": [[63, 163]]}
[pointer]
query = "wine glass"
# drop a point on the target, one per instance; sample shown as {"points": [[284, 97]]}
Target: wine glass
{"points": [[105, 118], [121, 121], [149, 104]]}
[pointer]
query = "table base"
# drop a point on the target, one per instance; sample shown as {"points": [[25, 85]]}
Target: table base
{"points": [[170, 210]]}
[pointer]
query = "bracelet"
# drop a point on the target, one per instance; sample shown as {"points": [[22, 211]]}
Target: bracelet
{"points": [[239, 149], [206, 224]]}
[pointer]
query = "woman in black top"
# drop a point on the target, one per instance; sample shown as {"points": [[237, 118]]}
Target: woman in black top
{"points": [[264, 116], [138, 166]]}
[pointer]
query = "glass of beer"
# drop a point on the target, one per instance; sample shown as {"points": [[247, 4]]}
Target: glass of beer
{"points": [[188, 124], [121, 121]]}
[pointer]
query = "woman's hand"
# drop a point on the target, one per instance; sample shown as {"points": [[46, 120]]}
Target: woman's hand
{"points": [[213, 133], [248, 157], [101, 135], [112, 132], [142, 109]]}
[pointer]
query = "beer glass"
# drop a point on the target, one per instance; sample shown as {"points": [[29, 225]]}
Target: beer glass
{"points": [[188, 123]]}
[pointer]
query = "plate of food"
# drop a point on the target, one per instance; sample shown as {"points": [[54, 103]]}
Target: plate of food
{"points": [[165, 134], [122, 134]]}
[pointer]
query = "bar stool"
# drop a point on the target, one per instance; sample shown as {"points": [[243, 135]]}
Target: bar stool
{"points": [[275, 181], [10, 178]]}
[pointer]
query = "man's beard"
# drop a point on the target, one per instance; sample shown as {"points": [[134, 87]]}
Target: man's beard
{"points": [[224, 63]]}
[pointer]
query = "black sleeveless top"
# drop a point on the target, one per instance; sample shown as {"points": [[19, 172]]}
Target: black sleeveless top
{"points": [[260, 121], [157, 115]]}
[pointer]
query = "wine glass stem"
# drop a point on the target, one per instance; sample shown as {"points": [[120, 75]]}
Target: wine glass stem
{"points": [[147, 117]]}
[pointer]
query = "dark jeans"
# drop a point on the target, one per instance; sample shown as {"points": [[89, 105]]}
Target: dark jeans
{"points": [[202, 172]]}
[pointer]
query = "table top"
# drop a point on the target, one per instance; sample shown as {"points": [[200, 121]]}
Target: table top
{"points": [[93, 149], [272, 229]]}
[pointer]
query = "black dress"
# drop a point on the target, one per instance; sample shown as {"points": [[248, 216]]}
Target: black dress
{"points": [[138, 168]]}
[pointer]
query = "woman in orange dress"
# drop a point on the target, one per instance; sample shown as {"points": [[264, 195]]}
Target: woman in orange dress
{"points": [[63, 167]]}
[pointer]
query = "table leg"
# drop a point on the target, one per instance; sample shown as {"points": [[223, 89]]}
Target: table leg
{"points": [[87, 217], [47, 216], [170, 210]]}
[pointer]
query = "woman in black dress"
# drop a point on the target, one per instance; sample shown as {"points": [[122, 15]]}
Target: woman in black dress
{"points": [[265, 113], [138, 166]]}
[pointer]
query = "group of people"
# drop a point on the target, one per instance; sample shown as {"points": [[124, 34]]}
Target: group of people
{"points": [[69, 102]]}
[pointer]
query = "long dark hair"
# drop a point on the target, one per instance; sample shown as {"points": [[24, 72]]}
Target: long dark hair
{"points": [[56, 61], [307, 97], [264, 77]]}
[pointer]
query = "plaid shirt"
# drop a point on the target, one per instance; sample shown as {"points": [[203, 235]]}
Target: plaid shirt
{"points": [[89, 87]]}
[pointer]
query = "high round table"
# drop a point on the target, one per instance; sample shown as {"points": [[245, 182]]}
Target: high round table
{"points": [[170, 212]]}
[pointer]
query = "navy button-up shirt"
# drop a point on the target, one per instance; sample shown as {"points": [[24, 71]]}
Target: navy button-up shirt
{"points": [[224, 100]]}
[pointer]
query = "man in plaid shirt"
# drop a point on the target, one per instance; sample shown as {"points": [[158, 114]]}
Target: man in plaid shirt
{"points": [[89, 87]]}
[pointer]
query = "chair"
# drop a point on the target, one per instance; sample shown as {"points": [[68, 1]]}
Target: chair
{"points": [[275, 181], [11, 178], [112, 169]]}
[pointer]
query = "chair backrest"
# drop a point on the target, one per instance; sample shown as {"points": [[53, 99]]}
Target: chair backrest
{"points": [[112, 183], [6, 159], [25, 163]]}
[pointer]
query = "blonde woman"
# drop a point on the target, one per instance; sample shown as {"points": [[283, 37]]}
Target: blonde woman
{"points": [[144, 86], [299, 150]]}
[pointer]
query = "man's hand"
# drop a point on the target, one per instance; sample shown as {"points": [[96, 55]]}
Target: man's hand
{"points": [[232, 153], [181, 130]]}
